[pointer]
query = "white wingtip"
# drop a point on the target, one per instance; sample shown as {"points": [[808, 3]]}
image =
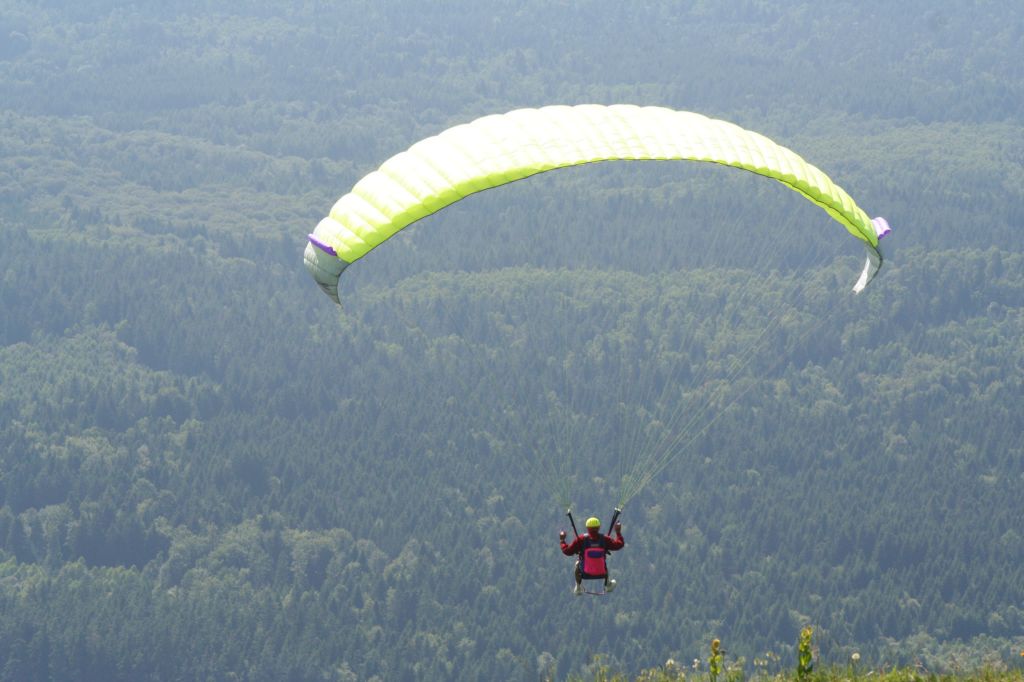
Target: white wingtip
{"points": [[326, 270], [871, 267], [874, 261]]}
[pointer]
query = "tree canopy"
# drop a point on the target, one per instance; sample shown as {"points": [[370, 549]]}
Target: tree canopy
{"points": [[207, 471]]}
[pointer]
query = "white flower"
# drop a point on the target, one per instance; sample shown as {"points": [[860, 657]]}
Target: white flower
{"points": [[855, 657]]}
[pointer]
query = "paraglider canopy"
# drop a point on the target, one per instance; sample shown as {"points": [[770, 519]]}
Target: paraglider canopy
{"points": [[499, 149]]}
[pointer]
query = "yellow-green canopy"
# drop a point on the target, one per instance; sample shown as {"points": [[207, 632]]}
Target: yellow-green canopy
{"points": [[496, 150]]}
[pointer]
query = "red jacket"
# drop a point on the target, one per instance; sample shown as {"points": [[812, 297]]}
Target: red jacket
{"points": [[610, 544]]}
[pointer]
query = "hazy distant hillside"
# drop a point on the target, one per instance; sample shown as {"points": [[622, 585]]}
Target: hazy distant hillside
{"points": [[209, 471]]}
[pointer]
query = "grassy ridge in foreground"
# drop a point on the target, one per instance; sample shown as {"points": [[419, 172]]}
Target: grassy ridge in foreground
{"points": [[672, 672]]}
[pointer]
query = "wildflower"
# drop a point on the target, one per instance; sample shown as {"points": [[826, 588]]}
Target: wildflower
{"points": [[696, 662], [670, 663], [805, 654], [715, 661], [856, 657]]}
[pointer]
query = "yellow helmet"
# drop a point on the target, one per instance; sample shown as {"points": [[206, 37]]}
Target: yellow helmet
{"points": [[593, 522]]}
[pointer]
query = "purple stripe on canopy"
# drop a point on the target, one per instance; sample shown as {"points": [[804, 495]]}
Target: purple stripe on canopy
{"points": [[881, 226], [320, 245]]}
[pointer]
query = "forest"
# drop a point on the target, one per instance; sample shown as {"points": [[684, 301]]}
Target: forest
{"points": [[210, 471]]}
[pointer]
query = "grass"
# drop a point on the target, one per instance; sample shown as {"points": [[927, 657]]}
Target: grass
{"points": [[673, 673]]}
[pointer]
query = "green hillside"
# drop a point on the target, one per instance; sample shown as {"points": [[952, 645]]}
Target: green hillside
{"points": [[209, 471]]}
